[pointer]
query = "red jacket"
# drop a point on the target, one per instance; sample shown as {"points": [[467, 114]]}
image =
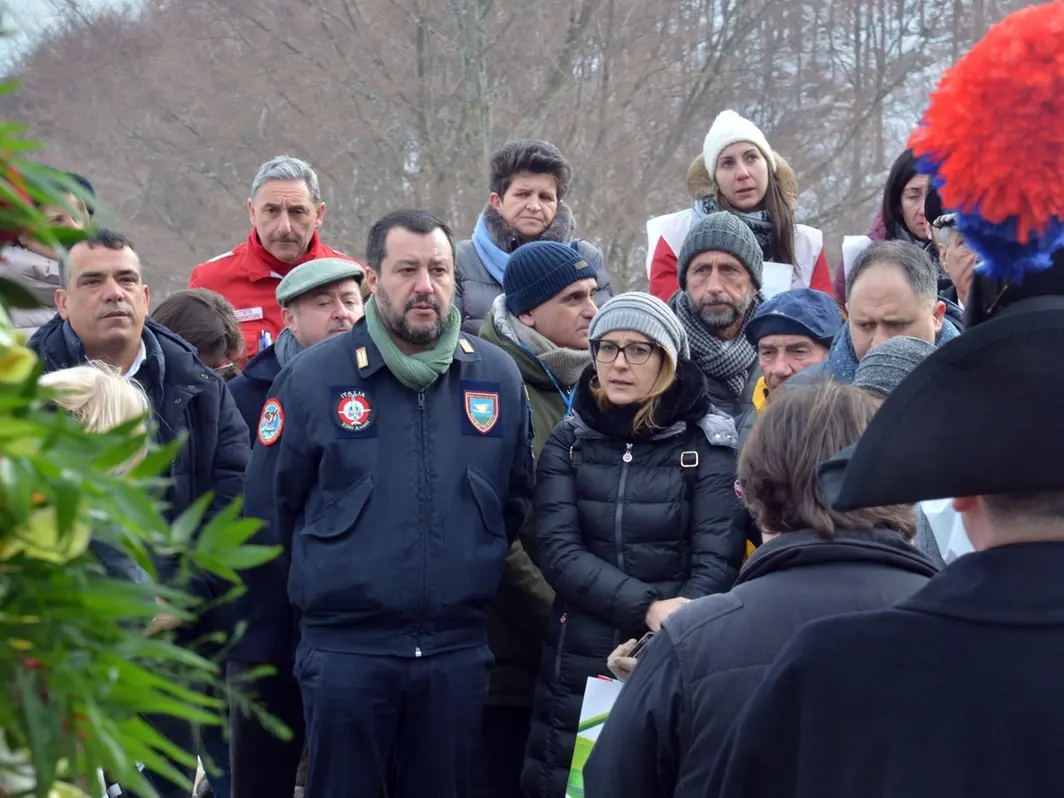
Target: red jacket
{"points": [[666, 235], [247, 276]]}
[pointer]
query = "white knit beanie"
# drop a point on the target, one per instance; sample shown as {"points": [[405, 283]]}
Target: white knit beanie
{"points": [[727, 129]]}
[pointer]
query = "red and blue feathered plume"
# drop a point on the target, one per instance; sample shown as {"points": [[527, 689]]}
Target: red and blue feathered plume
{"points": [[992, 140]]}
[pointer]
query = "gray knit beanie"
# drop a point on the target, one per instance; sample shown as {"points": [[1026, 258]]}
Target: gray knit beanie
{"points": [[644, 314], [721, 232], [884, 367]]}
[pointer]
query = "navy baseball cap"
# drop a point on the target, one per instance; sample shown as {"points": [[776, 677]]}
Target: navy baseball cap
{"points": [[800, 311]]}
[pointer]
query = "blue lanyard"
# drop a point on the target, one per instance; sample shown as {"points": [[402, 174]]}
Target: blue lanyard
{"points": [[566, 397]]}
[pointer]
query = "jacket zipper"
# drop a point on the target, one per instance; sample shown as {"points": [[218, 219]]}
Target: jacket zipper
{"points": [[618, 518], [618, 514], [421, 504], [561, 645]]}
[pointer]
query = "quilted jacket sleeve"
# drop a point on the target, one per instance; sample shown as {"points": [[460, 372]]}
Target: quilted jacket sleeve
{"points": [[595, 586], [717, 541]]}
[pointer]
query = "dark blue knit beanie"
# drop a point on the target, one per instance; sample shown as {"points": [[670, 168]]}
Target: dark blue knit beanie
{"points": [[540, 269]]}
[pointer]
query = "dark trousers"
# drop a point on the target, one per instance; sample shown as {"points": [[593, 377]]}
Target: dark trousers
{"points": [[363, 712], [214, 753], [263, 765], [502, 752]]}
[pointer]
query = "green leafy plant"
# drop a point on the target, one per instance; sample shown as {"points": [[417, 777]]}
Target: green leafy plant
{"points": [[78, 673]]}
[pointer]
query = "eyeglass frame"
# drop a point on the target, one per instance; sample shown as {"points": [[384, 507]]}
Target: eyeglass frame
{"points": [[596, 347]]}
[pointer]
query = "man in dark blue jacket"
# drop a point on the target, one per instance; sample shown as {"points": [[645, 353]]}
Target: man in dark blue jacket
{"points": [[318, 299], [103, 304], [395, 465]]}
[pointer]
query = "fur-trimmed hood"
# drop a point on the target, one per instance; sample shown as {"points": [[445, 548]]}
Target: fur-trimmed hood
{"points": [[561, 229], [700, 182]]}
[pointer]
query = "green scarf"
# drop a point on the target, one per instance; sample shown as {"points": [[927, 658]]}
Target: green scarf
{"points": [[420, 370]]}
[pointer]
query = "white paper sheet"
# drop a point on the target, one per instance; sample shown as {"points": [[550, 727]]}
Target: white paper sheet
{"points": [[776, 278], [852, 247]]}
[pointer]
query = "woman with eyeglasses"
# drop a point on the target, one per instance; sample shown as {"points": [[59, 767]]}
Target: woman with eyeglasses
{"points": [[635, 503]]}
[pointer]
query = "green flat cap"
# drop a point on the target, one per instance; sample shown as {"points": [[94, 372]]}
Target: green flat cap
{"points": [[305, 277]]}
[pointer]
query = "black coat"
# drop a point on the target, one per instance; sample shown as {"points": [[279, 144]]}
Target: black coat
{"points": [[270, 622], [955, 691], [613, 537], [186, 397], [671, 719], [251, 388]]}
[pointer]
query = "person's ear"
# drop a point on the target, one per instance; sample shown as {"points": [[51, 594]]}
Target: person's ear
{"points": [[938, 314]]}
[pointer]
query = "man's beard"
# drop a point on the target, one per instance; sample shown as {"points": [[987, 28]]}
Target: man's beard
{"points": [[721, 318], [397, 323]]}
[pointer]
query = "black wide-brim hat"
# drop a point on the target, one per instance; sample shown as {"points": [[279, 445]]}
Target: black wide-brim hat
{"points": [[981, 415]]}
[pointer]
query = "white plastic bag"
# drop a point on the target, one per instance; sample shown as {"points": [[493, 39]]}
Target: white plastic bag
{"points": [[948, 528]]}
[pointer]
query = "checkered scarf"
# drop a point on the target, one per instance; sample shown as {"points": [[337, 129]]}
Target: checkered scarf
{"points": [[726, 361]]}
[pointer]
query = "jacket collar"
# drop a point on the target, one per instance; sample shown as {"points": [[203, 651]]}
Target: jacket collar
{"points": [[264, 266], [497, 332], [263, 367], [170, 357], [805, 547], [368, 358], [1017, 585], [507, 239]]}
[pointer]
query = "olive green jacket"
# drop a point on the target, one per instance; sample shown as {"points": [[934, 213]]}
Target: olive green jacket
{"points": [[517, 618]]}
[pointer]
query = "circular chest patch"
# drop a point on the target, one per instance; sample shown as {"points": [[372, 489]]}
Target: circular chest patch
{"points": [[271, 422], [738, 489], [353, 411]]}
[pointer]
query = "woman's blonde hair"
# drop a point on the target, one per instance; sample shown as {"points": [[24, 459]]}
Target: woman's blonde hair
{"points": [[100, 397], [644, 416]]}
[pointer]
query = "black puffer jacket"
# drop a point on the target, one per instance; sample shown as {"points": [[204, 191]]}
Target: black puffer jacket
{"points": [[615, 536]]}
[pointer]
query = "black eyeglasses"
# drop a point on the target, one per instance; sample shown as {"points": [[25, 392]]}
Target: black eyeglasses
{"points": [[636, 353]]}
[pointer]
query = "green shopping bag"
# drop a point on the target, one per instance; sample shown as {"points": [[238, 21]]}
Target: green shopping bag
{"points": [[599, 697]]}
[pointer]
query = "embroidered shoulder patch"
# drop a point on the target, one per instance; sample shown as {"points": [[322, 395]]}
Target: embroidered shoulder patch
{"points": [[354, 411], [482, 410], [271, 422]]}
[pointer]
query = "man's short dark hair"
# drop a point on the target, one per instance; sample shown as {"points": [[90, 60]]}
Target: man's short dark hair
{"points": [[103, 237], [410, 219], [529, 155], [1036, 505], [920, 271]]}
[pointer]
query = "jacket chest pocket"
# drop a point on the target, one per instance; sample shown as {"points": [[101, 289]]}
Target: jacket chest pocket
{"points": [[477, 539], [330, 570]]}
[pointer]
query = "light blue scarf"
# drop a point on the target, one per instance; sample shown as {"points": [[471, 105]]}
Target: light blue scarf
{"points": [[493, 258], [842, 361]]}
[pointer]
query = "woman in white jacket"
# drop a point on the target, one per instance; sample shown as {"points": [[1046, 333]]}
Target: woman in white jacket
{"points": [[738, 172]]}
